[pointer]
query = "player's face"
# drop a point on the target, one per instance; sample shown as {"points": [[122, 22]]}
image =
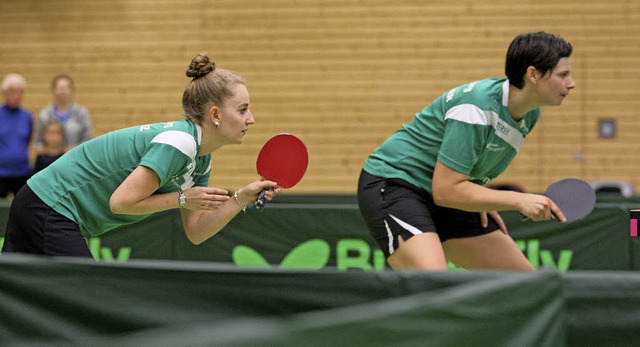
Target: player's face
{"points": [[235, 116], [554, 87]]}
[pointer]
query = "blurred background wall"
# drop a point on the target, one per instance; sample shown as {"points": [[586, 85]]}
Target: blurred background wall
{"points": [[342, 74]]}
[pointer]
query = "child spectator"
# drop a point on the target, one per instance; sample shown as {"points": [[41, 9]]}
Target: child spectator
{"points": [[52, 145]]}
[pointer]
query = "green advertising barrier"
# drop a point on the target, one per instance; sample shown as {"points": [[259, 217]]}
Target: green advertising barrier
{"points": [[82, 303], [313, 232], [79, 302]]}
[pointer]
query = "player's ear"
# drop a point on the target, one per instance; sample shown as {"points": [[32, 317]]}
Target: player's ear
{"points": [[214, 114], [532, 75]]}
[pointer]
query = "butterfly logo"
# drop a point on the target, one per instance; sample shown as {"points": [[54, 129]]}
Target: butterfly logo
{"points": [[312, 255]]}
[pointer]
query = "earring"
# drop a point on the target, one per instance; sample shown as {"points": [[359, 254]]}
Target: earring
{"points": [[217, 124]]}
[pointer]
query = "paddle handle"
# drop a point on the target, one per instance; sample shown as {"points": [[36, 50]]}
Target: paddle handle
{"points": [[259, 204]]}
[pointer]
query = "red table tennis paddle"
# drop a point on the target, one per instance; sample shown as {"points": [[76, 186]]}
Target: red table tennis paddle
{"points": [[283, 159], [575, 198]]}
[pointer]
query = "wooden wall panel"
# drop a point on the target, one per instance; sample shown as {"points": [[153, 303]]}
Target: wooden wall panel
{"points": [[341, 74]]}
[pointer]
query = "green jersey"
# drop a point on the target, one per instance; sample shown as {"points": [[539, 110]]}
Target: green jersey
{"points": [[468, 129], [80, 183]]}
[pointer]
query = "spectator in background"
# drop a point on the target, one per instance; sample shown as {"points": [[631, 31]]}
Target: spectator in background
{"points": [[75, 119], [16, 126], [53, 145]]}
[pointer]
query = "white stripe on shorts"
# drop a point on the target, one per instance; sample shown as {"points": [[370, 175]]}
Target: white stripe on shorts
{"points": [[405, 225], [389, 236]]}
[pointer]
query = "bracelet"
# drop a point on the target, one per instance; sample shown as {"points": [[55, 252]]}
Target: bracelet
{"points": [[182, 199], [243, 208]]}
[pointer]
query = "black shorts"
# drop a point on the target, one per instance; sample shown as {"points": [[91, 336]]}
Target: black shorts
{"points": [[35, 228], [392, 207]]}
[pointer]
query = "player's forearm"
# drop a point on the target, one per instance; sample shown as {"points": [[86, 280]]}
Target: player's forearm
{"points": [[201, 225], [472, 197], [155, 203]]}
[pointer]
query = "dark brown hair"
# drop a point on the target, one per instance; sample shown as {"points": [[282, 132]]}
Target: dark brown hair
{"points": [[540, 50]]}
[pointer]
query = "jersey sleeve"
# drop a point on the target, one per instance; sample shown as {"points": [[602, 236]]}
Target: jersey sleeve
{"points": [[464, 137], [169, 154]]}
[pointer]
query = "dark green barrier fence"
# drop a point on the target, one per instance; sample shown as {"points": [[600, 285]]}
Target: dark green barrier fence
{"points": [[314, 232], [60, 302], [72, 302]]}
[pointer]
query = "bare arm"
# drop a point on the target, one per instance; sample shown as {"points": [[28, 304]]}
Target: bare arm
{"points": [[135, 195], [451, 189], [207, 211]]}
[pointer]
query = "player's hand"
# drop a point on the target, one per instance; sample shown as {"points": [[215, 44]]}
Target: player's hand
{"points": [[540, 208], [484, 219], [251, 192], [205, 198]]}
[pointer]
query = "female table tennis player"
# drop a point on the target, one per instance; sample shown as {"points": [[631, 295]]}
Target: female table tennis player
{"points": [[126, 175], [420, 191]]}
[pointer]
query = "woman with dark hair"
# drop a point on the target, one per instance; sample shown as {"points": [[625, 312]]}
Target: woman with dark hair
{"points": [[422, 191], [126, 175]]}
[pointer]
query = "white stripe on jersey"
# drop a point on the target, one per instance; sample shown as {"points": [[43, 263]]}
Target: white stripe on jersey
{"points": [[178, 139], [505, 93], [188, 179], [472, 114]]}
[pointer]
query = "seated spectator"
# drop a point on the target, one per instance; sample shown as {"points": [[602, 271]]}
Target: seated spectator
{"points": [[15, 136], [75, 119], [53, 145]]}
